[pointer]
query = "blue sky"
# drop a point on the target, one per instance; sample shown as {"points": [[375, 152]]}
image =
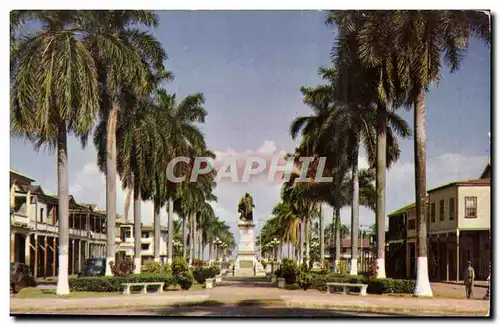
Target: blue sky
{"points": [[250, 66]]}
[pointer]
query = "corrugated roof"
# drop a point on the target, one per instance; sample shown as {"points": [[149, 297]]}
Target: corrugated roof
{"points": [[401, 210], [21, 175], [472, 182]]}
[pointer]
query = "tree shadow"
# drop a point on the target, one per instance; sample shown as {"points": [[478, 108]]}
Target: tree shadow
{"points": [[255, 309]]}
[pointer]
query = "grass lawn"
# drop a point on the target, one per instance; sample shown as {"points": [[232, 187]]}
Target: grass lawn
{"points": [[51, 293]]}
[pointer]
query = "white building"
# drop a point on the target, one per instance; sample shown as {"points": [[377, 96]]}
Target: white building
{"points": [[125, 241]]}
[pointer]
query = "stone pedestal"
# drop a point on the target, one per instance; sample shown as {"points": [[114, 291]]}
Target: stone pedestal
{"points": [[246, 259]]}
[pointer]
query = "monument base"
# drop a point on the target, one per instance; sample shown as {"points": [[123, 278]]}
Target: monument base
{"points": [[246, 262]]}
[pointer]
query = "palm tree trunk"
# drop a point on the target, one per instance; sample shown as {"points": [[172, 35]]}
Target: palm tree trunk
{"points": [[422, 286], [380, 185], [354, 215], [156, 226], [321, 236], [301, 237], [307, 230], [170, 233], [209, 253], [127, 204], [198, 244], [111, 187], [63, 211], [337, 237], [191, 239], [137, 226], [184, 237]]}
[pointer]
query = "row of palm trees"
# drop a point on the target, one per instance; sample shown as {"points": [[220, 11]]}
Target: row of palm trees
{"points": [[80, 72], [381, 61]]}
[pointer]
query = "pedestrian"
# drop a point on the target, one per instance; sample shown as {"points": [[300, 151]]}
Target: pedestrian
{"points": [[469, 276]]}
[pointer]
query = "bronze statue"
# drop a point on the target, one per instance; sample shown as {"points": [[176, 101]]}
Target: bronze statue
{"points": [[245, 208]]}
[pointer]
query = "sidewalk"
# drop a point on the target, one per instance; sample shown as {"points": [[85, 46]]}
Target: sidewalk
{"points": [[387, 304], [37, 305]]}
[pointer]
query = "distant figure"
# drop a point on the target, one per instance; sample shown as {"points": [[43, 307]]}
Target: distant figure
{"points": [[469, 276], [487, 296]]}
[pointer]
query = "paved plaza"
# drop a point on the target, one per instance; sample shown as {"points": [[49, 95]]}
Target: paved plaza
{"points": [[252, 297]]}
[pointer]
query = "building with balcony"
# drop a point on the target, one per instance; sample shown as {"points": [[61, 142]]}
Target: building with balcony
{"points": [[126, 240], [34, 230], [458, 225], [401, 239]]}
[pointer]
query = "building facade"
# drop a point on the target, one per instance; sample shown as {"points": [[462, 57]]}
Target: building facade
{"points": [[34, 230], [126, 240], [458, 225]]}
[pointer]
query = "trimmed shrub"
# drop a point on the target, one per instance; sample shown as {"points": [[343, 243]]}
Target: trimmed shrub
{"points": [[305, 280], [342, 267], [375, 286], [201, 274], [185, 280], [125, 267], [98, 284], [113, 284], [152, 266], [214, 269], [325, 267], [288, 271], [179, 265], [380, 286]]}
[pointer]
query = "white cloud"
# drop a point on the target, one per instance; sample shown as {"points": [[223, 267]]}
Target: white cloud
{"points": [[89, 185]]}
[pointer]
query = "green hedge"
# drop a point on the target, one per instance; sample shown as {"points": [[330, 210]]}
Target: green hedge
{"points": [[113, 283], [379, 286], [201, 274], [376, 286]]}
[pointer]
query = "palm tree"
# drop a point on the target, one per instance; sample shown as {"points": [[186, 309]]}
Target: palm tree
{"points": [[138, 135], [410, 48], [377, 83], [285, 227], [54, 91], [124, 55], [429, 35]]}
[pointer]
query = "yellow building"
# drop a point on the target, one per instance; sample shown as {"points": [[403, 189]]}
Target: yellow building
{"points": [[459, 229], [458, 225]]}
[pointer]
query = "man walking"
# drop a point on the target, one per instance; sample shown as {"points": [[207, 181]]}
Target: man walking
{"points": [[469, 276]]}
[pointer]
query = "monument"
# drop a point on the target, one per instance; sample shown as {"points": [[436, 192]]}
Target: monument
{"points": [[246, 261]]}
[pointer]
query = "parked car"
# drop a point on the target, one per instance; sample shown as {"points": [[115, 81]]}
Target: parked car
{"points": [[21, 276], [94, 267]]}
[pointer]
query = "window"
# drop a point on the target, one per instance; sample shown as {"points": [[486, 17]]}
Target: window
{"points": [[145, 235], [411, 224], [452, 209], [441, 210], [145, 246], [433, 212], [41, 215], [470, 207]]}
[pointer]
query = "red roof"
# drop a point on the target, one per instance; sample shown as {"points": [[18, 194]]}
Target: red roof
{"points": [[346, 243]]}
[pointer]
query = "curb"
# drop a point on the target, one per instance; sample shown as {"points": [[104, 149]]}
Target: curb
{"points": [[295, 304], [36, 309]]}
